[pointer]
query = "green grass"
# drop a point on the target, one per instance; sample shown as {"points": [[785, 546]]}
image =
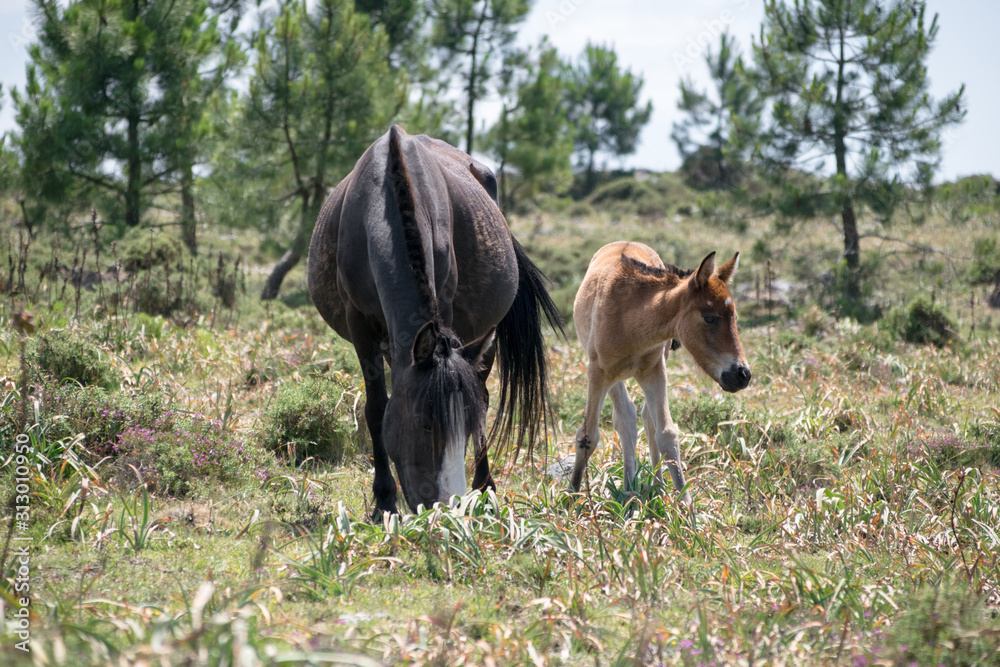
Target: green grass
{"points": [[846, 504]]}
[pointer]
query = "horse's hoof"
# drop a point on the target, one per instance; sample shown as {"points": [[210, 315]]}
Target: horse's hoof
{"points": [[378, 515]]}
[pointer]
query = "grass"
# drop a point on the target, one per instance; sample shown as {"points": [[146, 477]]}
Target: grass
{"points": [[845, 505]]}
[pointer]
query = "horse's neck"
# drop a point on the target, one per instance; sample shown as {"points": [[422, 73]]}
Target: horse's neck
{"points": [[662, 303]]}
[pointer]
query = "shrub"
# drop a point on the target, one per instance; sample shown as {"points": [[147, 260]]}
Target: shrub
{"points": [[176, 456], [634, 194], [315, 416], [65, 355], [922, 321], [985, 267], [703, 414], [100, 415], [943, 624]]}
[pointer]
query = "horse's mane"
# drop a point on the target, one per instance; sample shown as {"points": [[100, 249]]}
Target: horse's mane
{"points": [[654, 271], [402, 188]]}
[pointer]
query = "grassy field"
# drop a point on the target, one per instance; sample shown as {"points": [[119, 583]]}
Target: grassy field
{"points": [[198, 490]]}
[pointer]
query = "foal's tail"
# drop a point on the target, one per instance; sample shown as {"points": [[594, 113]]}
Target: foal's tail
{"points": [[521, 348]]}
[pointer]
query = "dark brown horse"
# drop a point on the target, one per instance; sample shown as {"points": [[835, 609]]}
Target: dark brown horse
{"points": [[412, 261]]}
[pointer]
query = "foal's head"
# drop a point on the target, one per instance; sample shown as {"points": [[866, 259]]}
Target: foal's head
{"points": [[437, 402], [707, 324]]}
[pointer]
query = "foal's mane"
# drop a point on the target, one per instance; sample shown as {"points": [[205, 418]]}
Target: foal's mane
{"points": [[642, 268], [402, 188]]}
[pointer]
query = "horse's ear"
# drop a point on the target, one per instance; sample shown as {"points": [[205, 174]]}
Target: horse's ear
{"points": [[424, 343], [727, 270], [474, 351], [705, 271]]}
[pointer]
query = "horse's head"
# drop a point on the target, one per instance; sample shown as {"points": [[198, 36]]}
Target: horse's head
{"points": [[707, 324], [436, 404]]}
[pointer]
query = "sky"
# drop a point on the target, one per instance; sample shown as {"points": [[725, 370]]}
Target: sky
{"points": [[665, 40]]}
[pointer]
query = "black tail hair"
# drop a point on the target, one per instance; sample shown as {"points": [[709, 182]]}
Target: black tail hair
{"points": [[521, 352]]}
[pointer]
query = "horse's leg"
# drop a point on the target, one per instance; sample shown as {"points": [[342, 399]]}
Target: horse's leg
{"points": [[665, 433], [588, 437], [482, 479], [654, 452], [624, 417], [366, 344]]}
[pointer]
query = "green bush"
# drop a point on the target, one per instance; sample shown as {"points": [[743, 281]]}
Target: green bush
{"points": [[703, 414], [985, 267], [316, 417], [630, 192], [922, 321], [64, 355]]}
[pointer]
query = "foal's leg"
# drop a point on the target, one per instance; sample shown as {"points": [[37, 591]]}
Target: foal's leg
{"points": [[624, 419], [588, 437], [482, 479], [366, 344], [654, 452], [665, 433]]}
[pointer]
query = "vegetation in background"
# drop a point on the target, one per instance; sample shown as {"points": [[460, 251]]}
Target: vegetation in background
{"points": [[531, 141], [321, 91], [716, 135], [849, 79], [472, 37], [604, 108], [114, 106]]}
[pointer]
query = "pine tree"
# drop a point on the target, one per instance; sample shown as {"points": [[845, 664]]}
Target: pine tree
{"points": [[321, 91], [472, 36], [98, 115], [715, 137], [604, 109], [849, 80], [531, 140]]}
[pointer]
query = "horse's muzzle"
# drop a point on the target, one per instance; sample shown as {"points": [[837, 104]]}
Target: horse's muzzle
{"points": [[735, 378]]}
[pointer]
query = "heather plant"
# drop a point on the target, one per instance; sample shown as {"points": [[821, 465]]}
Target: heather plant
{"points": [[314, 418], [178, 455], [98, 414], [67, 355]]}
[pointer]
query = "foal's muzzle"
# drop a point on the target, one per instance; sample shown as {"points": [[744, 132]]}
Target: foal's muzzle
{"points": [[735, 378]]}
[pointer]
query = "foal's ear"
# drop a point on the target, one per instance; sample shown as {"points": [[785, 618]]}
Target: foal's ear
{"points": [[424, 343], [474, 351], [705, 271], [726, 270]]}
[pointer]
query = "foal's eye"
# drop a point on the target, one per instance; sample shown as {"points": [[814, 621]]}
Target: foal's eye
{"points": [[710, 319], [423, 424]]}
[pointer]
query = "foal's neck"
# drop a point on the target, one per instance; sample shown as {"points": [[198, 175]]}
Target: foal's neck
{"points": [[664, 307]]}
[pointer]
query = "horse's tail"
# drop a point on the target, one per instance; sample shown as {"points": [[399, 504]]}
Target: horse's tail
{"points": [[521, 349]]}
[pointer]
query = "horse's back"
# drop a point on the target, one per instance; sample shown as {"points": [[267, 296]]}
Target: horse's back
{"points": [[602, 298], [356, 258]]}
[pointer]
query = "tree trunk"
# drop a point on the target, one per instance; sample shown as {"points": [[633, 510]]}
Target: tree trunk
{"points": [[134, 170], [851, 240], [470, 121], [188, 223], [295, 253], [287, 262]]}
